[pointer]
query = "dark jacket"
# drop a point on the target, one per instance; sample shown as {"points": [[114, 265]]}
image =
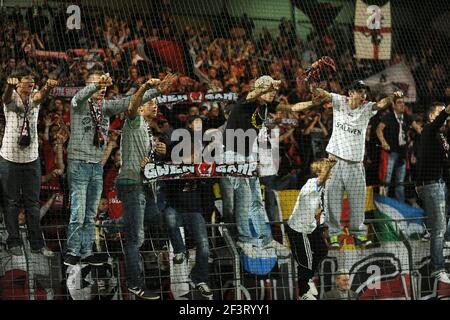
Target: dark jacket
{"points": [[431, 154], [337, 294]]}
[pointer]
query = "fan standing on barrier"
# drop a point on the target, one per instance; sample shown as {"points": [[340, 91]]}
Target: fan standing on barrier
{"points": [[304, 230], [242, 196], [351, 117], [392, 134], [137, 199], [90, 114], [19, 162], [431, 187], [186, 204]]}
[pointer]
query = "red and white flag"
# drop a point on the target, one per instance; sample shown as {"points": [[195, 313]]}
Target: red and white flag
{"points": [[373, 38]]}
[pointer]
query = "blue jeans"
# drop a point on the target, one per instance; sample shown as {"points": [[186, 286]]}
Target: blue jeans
{"points": [[277, 183], [21, 186], [85, 184], [397, 164], [258, 213], [433, 197], [195, 224], [138, 202], [242, 197], [233, 192]]}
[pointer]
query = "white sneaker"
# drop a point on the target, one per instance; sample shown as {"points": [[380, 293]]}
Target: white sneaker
{"points": [[178, 258], [312, 288], [247, 249], [426, 236], [281, 251], [443, 277], [308, 296]]}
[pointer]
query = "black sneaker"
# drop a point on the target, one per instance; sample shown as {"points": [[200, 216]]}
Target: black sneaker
{"points": [[71, 260], [144, 293], [204, 289], [94, 260]]}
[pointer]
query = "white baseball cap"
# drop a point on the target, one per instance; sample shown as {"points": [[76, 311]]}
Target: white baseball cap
{"points": [[263, 81]]}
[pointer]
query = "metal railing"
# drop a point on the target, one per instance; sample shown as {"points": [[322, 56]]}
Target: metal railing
{"points": [[405, 261]]}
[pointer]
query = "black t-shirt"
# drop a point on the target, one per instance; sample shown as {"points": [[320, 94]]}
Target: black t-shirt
{"points": [[431, 153], [391, 131], [186, 195], [241, 118]]}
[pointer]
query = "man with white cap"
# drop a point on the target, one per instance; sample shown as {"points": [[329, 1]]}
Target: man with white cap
{"points": [[242, 196]]}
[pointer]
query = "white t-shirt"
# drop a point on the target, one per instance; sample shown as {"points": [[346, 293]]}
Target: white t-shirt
{"points": [[14, 116], [349, 129], [308, 203], [266, 150]]}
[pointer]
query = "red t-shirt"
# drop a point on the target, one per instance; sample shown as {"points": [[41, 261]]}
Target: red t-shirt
{"points": [[116, 124], [114, 205], [50, 165], [110, 179]]}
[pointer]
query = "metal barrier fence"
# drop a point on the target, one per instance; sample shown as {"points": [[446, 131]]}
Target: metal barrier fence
{"points": [[387, 270]]}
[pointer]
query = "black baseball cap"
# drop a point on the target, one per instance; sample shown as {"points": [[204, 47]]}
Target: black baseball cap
{"points": [[359, 84]]}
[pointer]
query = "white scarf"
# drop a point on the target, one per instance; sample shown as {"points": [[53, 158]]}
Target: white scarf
{"points": [[401, 133]]}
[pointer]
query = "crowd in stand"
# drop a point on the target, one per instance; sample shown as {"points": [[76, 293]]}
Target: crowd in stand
{"points": [[228, 62]]}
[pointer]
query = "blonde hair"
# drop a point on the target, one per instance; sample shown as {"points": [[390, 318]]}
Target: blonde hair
{"points": [[318, 165]]}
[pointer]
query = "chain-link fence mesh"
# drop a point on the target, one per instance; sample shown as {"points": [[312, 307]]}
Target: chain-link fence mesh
{"points": [[114, 169]]}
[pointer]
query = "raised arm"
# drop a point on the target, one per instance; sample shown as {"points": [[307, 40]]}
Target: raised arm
{"points": [[257, 92], [7, 95], [136, 99], [311, 126], [440, 119], [156, 88], [301, 106], [287, 134], [380, 136], [61, 137], [144, 95], [48, 123], [84, 94], [322, 126], [386, 102], [43, 93], [330, 162], [320, 96]]}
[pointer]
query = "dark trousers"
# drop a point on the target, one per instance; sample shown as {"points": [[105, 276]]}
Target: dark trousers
{"points": [[195, 225], [21, 184], [308, 250], [138, 202]]}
